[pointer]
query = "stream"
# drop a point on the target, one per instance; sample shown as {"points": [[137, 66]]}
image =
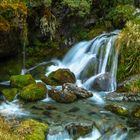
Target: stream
{"points": [[94, 64]]}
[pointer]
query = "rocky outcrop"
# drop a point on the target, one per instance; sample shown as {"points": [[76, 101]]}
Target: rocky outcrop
{"points": [[59, 77]]}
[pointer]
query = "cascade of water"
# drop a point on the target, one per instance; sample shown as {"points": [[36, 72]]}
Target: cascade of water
{"points": [[91, 60]]}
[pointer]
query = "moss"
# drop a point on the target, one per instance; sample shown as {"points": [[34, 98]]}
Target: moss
{"points": [[20, 81], [33, 92], [32, 130], [59, 77], [10, 94], [133, 86], [117, 109], [129, 53]]}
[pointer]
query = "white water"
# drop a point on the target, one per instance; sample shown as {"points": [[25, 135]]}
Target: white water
{"points": [[100, 53]]}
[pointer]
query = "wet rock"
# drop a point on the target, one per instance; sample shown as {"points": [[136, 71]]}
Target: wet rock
{"points": [[77, 130], [74, 109], [73, 89], [62, 97], [102, 82], [119, 110], [136, 112], [50, 107], [47, 113], [32, 130], [59, 77], [9, 94], [20, 81], [33, 92]]}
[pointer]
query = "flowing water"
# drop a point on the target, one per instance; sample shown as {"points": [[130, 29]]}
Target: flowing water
{"points": [[89, 60], [92, 62]]}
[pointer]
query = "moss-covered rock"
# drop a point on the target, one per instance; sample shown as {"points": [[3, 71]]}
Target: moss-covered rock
{"points": [[119, 110], [59, 77], [10, 94], [33, 92], [62, 97], [32, 130], [20, 81], [129, 53]]}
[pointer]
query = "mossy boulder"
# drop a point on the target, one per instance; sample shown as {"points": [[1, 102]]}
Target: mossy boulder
{"points": [[9, 94], [62, 97], [20, 81], [33, 92], [119, 110], [59, 77], [32, 130]]}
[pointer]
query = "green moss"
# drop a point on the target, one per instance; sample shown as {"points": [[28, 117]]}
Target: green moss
{"points": [[10, 94], [117, 109], [32, 130], [20, 81], [59, 77], [33, 92], [133, 86]]}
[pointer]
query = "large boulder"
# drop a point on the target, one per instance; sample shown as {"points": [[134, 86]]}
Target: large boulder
{"points": [[62, 97], [33, 92], [102, 82], [20, 81], [9, 94], [78, 91], [59, 77]]}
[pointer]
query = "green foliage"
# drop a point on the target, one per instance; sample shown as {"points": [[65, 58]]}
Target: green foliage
{"points": [[82, 7], [120, 15], [129, 45]]}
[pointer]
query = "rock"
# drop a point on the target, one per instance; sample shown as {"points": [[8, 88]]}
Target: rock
{"points": [[33, 92], [74, 109], [59, 77], [102, 82], [50, 107], [9, 94], [136, 112], [32, 130], [62, 97], [20, 81], [119, 110], [77, 130], [78, 91]]}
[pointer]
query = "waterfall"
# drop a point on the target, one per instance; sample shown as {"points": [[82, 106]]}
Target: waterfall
{"points": [[93, 62]]}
